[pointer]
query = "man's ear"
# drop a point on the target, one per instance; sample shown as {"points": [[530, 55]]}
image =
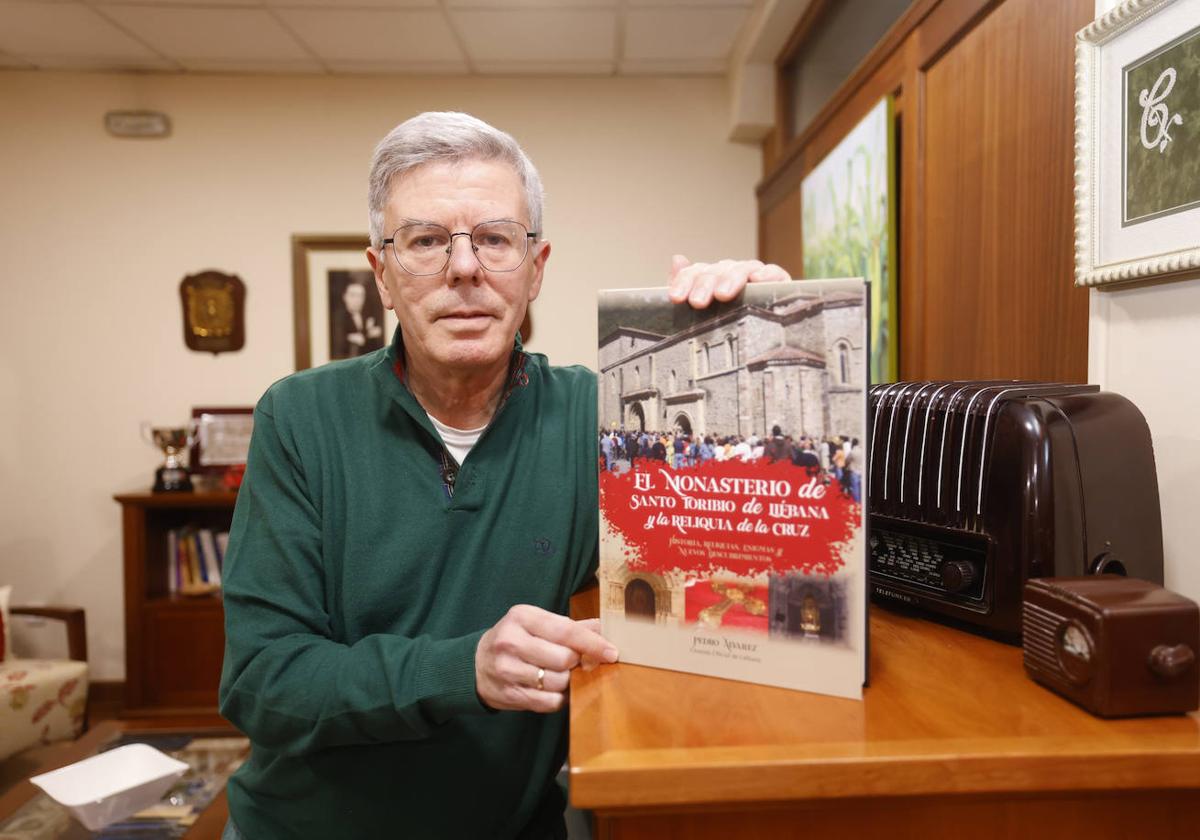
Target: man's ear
{"points": [[377, 260], [539, 266]]}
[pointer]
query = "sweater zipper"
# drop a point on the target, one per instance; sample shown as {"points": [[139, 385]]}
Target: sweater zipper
{"points": [[449, 467]]}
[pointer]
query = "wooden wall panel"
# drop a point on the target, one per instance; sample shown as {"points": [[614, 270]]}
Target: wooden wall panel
{"points": [[986, 155], [780, 240], [993, 295]]}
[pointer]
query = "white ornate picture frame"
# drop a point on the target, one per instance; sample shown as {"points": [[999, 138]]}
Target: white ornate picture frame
{"points": [[1137, 143]]}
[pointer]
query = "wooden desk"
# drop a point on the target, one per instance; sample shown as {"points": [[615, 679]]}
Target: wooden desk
{"points": [[951, 739]]}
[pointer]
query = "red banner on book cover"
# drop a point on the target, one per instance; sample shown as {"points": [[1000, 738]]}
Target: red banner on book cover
{"points": [[733, 516]]}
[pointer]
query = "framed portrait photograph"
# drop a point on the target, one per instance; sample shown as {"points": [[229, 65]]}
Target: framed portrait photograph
{"points": [[337, 310], [220, 438], [1137, 143]]}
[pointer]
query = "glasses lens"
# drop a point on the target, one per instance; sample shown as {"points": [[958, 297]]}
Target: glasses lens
{"points": [[421, 249], [500, 246]]}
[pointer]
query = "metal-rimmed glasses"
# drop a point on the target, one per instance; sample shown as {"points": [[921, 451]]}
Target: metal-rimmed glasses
{"points": [[423, 248]]}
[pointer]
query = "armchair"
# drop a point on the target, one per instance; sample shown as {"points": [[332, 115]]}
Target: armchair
{"points": [[44, 700]]}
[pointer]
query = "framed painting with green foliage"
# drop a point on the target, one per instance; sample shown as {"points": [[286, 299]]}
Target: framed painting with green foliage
{"points": [[848, 225], [1137, 143]]}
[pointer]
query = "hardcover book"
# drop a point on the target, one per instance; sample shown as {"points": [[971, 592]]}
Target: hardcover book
{"points": [[732, 521]]}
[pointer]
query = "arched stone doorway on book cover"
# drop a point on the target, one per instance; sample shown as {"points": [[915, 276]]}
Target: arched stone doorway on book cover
{"points": [[683, 422], [644, 595], [635, 418], [639, 599]]}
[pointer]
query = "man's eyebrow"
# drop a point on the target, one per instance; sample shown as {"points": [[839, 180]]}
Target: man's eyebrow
{"points": [[407, 221]]}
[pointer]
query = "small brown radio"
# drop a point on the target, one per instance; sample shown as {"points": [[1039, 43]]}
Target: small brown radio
{"points": [[1116, 646]]}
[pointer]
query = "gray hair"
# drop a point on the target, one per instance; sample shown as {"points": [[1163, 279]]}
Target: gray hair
{"points": [[448, 137]]}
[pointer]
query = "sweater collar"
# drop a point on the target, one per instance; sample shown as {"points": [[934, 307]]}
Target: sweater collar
{"points": [[390, 370]]}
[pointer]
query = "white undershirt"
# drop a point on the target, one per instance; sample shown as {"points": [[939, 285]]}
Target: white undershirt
{"points": [[458, 441]]}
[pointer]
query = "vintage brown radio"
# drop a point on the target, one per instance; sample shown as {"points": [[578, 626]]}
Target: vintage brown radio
{"points": [[975, 487], [1116, 646]]}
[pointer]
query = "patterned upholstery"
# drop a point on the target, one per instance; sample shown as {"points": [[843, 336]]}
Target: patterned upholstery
{"points": [[40, 701]]}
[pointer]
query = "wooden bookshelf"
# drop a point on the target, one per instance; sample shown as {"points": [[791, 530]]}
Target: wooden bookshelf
{"points": [[173, 643]]}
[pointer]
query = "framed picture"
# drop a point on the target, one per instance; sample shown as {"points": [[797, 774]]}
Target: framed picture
{"points": [[848, 226], [220, 438], [1137, 143], [337, 309]]}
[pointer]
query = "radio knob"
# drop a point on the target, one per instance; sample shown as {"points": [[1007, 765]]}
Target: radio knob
{"points": [[958, 575]]}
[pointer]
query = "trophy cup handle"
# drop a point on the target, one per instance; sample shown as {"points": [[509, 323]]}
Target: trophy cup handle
{"points": [[148, 433]]}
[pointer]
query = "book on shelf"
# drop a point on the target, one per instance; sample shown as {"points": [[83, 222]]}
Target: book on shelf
{"points": [[208, 546], [732, 522], [194, 558], [173, 581]]}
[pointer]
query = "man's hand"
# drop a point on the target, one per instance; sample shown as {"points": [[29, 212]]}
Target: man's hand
{"points": [[530, 643], [699, 283]]}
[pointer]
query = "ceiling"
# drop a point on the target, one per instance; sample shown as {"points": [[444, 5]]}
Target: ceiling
{"points": [[442, 37]]}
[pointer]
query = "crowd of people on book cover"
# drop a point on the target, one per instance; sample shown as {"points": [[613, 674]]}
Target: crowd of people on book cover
{"points": [[838, 457]]}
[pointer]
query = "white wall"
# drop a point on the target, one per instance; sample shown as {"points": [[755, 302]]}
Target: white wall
{"points": [[96, 233], [1144, 343]]}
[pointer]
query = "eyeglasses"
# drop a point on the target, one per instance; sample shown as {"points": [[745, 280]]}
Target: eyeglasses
{"points": [[423, 248]]}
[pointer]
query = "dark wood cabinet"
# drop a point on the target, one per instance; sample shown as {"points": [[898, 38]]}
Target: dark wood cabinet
{"points": [[173, 643]]}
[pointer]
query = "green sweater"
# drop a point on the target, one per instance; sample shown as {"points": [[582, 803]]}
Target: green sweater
{"points": [[357, 588]]}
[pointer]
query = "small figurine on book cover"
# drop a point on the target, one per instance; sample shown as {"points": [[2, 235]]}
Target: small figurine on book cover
{"points": [[731, 483]]}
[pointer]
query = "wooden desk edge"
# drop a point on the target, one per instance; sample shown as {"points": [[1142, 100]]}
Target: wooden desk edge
{"points": [[824, 778]]}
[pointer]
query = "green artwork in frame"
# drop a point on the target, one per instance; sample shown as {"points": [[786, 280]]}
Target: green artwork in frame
{"points": [[1162, 131], [849, 226]]}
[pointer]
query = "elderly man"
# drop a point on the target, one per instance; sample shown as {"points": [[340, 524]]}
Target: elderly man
{"points": [[413, 523]]}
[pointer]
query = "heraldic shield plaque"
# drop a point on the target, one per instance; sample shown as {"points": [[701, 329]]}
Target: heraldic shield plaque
{"points": [[213, 312]]}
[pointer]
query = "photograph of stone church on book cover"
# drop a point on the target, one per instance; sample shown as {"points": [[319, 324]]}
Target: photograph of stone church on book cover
{"points": [[767, 394]]}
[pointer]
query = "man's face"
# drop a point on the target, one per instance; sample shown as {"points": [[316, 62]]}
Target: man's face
{"points": [[466, 316], [354, 297]]}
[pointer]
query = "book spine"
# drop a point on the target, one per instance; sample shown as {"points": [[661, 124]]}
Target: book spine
{"points": [[181, 569], [172, 561], [208, 545], [194, 574], [223, 547]]}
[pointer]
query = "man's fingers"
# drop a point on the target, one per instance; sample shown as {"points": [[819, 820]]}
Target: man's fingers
{"points": [[558, 681], [527, 698], [681, 282], [701, 292], [549, 655], [525, 660], [543, 701], [579, 636], [769, 273], [678, 263], [701, 283], [733, 279]]}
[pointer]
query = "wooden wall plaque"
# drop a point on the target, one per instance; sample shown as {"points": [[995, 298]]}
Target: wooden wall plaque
{"points": [[214, 312]]}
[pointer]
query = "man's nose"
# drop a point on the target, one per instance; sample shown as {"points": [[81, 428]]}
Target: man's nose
{"points": [[463, 263]]}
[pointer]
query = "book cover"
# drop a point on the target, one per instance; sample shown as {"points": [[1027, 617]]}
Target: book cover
{"points": [[732, 520]]}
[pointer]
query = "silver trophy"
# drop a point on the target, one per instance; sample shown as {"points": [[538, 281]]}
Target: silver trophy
{"points": [[172, 476]]}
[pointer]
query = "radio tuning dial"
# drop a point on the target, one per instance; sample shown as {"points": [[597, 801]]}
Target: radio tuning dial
{"points": [[958, 575]]}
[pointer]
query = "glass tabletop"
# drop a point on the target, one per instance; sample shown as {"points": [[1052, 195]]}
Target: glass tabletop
{"points": [[211, 761]]}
